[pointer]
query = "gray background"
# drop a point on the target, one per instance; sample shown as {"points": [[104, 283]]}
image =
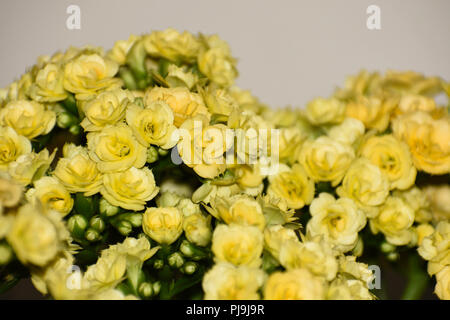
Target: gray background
{"points": [[289, 51]]}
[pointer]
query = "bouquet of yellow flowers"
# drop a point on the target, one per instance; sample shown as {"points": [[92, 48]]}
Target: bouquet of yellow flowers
{"points": [[144, 172]]}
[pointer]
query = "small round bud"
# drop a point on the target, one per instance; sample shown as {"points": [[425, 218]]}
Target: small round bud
{"points": [[386, 247], [156, 287], [186, 248], [6, 253], [158, 264], [76, 225], [190, 267], [75, 129], [64, 120], [108, 209], [134, 218], [162, 152], [124, 227], [146, 289], [152, 154], [92, 235], [97, 223], [175, 260], [393, 256]]}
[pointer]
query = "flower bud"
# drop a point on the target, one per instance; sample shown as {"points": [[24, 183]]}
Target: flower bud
{"points": [[107, 208], [187, 248], [162, 152], [65, 120], [146, 290], [76, 225], [386, 247], [190, 267], [92, 235], [158, 264], [152, 154], [75, 129], [5, 253], [124, 227], [175, 260], [134, 218], [156, 287], [97, 223], [136, 59], [393, 256]]}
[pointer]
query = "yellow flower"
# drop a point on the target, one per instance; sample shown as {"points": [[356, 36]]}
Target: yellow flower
{"points": [[12, 146], [88, 74], [227, 282], [219, 101], [436, 248], [119, 51], [423, 230], [392, 157], [344, 288], [107, 108], [77, 172], [218, 66], [443, 284], [28, 118], [239, 209], [348, 132], [276, 236], [184, 104], [339, 221], [356, 270], [246, 100], [418, 201], [31, 166], [413, 102], [290, 143], [180, 77], [202, 147], [108, 272], [129, 189], [366, 185], [373, 111], [291, 184], [172, 45], [439, 200], [164, 225], [197, 229], [248, 176], [325, 159], [316, 256], [325, 111], [394, 220], [33, 236], [296, 284], [428, 140], [207, 191], [51, 193], [114, 148], [153, 124], [239, 245], [48, 85]]}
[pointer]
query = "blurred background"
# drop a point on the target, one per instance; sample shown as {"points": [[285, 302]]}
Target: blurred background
{"points": [[289, 51]]}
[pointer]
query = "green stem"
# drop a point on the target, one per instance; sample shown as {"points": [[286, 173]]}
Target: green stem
{"points": [[417, 279]]}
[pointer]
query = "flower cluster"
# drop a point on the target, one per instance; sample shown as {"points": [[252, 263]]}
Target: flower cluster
{"points": [[145, 172]]}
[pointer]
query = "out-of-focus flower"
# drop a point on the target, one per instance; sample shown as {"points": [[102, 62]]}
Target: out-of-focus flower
{"points": [[428, 140], [227, 282], [28, 118]]}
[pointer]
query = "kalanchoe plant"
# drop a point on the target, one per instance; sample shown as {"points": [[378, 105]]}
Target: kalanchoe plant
{"points": [[143, 172]]}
